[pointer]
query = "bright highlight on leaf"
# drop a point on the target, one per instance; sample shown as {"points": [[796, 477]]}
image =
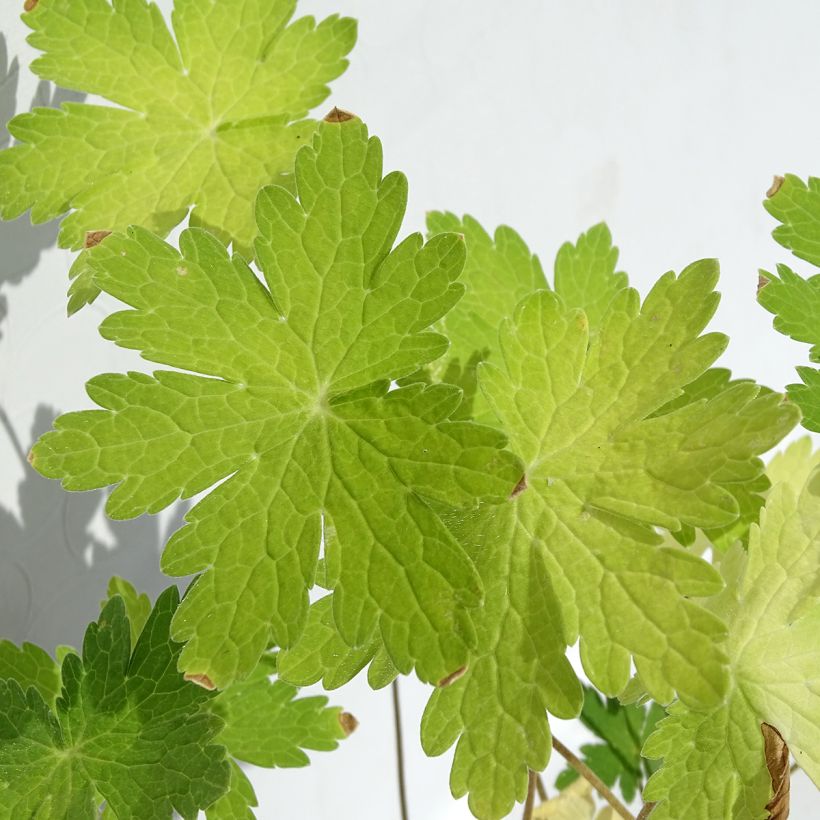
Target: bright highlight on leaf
{"points": [[575, 553], [713, 760], [293, 409], [121, 717], [203, 119]]}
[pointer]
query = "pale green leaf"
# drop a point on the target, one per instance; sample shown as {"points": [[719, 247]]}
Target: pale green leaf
{"points": [[297, 416], [575, 552], [499, 271], [121, 717], [713, 760], [202, 119]]}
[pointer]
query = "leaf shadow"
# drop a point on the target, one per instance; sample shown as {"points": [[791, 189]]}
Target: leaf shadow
{"points": [[22, 243], [54, 564]]}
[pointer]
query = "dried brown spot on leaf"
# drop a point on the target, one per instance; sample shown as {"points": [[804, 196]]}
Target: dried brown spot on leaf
{"points": [[520, 487], [452, 677], [348, 723], [775, 186], [93, 238], [777, 762], [30, 5], [200, 680], [762, 281], [339, 115]]}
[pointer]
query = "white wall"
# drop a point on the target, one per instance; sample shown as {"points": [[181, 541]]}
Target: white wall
{"points": [[667, 119]]}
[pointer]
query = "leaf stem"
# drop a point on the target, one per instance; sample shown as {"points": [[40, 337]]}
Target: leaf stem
{"points": [[593, 779], [399, 749], [529, 805], [542, 791], [646, 811]]}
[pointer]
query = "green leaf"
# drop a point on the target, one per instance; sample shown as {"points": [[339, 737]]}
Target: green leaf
{"points": [[238, 802], [623, 730], [796, 304], [714, 763], [202, 119], [295, 413], [121, 718], [499, 271], [796, 205], [585, 275], [137, 604], [266, 725], [575, 552], [30, 666]]}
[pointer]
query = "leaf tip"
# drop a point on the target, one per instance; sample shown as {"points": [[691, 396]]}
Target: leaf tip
{"points": [[450, 679], [339, 115], [93, 238], [777, 181], [30, 457], [777, 762], [200, 679], [762, 281], [30, 5], [348, 723]]}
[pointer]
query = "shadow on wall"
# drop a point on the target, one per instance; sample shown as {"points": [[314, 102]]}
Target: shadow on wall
{"points": [[21, 243], [54, 568]]}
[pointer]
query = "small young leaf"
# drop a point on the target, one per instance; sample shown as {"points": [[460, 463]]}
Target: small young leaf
{"points": [[713, 760], [121, 717], [293, 409], [202, 120]]}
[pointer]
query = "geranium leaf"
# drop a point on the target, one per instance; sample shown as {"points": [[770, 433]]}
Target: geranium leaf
{"points": [[293, 409], [714, 763], [202, 119], [121, 716], [575, 550]]}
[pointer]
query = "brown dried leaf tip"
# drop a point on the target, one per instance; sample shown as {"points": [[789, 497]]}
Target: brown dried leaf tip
{"points": [[519, 488], [339, 115], [30, 457], [762, 281], [452, 677], [775, 186], [200, 679], [30, 5], [777, 762], [348, 723], [93, 238]]}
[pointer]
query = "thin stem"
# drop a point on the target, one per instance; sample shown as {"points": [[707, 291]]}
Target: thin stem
{"points": [[399, 749], [646, 811], [593, 779], [528, 806], [542, 791]]}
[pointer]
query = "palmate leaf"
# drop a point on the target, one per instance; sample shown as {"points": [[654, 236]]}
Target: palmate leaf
{"points": [[203, 120], [296, 414], [121, 718], [713, 760], [575, 552]]}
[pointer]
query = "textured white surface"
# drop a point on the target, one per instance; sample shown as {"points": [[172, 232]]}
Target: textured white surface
{"points": [[666, 119]]}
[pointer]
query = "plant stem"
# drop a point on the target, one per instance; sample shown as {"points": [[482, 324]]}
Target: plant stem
{"points": [[528, 806], [646, 811], [539, 785], [593, 779], [399, 749]]}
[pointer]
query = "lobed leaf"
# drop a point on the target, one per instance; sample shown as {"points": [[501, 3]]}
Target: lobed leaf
{"points": [[292, 408]]}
